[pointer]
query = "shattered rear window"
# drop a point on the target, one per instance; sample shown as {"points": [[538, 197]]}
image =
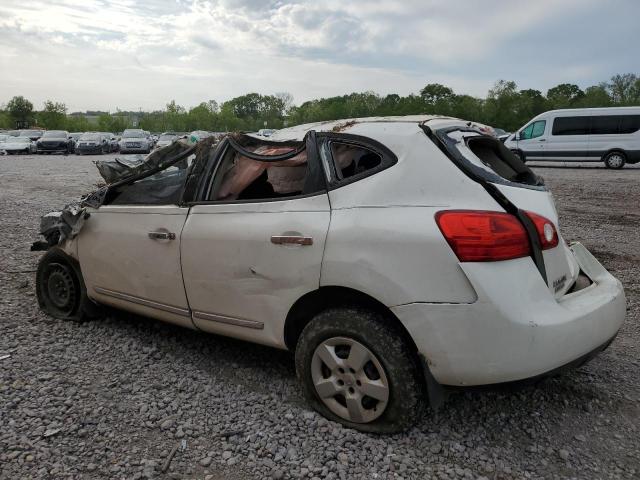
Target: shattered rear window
{"points": [[487, 157]]}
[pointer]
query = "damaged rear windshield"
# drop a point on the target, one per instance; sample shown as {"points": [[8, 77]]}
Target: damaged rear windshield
{"points": [[484, 156]]}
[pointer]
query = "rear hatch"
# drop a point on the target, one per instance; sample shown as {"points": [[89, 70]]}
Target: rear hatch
{"points": [[515, 187]]}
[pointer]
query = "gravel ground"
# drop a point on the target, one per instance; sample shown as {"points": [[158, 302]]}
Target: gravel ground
{"points": [[113, 398]]}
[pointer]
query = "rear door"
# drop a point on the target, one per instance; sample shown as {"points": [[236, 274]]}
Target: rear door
{"points": [[254, 243]]}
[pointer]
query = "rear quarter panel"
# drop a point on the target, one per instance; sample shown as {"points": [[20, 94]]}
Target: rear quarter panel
{"points": [[383, 239]]}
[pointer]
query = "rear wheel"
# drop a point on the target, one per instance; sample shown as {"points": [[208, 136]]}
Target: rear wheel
{"points": [[60, 288], [356, 369], [615, 160]]}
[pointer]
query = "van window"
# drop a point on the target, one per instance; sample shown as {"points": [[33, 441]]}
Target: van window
{"points": [[534, 130], [629, 123], [604, 124], [571, 126]]}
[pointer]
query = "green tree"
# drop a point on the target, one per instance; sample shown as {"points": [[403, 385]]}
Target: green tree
{"points": [[624, 88], [53, 116], [77, 123], [596, 96], [565, 95], [20, 110], [501, 105], [433, 93]]}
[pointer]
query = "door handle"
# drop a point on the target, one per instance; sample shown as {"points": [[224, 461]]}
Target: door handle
{"points": [[291, 240], [542, 140], [162, 235]]}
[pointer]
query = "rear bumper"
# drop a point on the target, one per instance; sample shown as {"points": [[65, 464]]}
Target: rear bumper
{"points": [[516, 329]]}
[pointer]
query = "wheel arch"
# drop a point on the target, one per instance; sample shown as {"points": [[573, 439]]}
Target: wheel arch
{"points": [[614, 150], [312, 303]]}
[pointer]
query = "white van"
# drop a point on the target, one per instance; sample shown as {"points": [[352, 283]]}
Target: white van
{"points": [[610, 135]]}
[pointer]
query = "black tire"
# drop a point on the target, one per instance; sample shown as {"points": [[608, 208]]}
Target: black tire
{"points": [[396, 357], [615, 160], [60, 288]]}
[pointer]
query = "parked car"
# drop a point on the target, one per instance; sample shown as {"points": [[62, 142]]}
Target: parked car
{"points": [[20, 144], [165, 139], [112, 141], [501, 134], [93, 143], [134, 141], [609, 135], [55, 141], [197, 135], [32, 134], [393, 255], [75, 136], [266, 132]]}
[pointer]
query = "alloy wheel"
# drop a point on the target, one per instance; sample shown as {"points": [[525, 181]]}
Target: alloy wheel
{"points": [[615, 160], [350, 380]]}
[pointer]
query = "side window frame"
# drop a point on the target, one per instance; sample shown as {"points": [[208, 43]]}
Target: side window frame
{"points": [[530, 126], [331, 170], [315, 181], [556, 132], [533, 135]]}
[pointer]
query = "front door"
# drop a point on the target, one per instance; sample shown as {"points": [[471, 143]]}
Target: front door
{"points": [[254, 245], [532, 140], [129, 250]]}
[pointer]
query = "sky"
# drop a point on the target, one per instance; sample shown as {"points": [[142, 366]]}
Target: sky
{"points": [[104, 55]]}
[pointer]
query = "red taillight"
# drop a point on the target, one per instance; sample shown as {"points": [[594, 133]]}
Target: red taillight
{"points": [[483, 236], [547, 233]]}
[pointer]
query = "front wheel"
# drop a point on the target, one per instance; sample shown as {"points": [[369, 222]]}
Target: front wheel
{"points": [[615, 160], [356, 369], [60, 288]]}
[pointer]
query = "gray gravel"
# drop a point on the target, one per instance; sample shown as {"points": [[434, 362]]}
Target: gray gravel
{"points": [[115, 398]]}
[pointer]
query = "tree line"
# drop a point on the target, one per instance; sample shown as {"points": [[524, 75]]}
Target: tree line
{"points": [[505, 106]]}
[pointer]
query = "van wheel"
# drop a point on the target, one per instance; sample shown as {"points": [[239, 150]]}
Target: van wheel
{"points": [[356, 369], [60, 288], [615, 160]]}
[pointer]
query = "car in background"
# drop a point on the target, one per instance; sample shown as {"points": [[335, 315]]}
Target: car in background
{"points": [[197, 135], [13, 133], [3, 137], [266, 132], [92, 143], [114, 146], [34, 135], [135, 140], [21, 144], [74, 136], [55, 141], [501, 134], [166, 139]]}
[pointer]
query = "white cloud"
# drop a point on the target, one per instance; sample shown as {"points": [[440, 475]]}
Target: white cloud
{"points": [[128, 54]]}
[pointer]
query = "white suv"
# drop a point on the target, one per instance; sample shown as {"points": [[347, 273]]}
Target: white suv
{"points": [[394, 256]]}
